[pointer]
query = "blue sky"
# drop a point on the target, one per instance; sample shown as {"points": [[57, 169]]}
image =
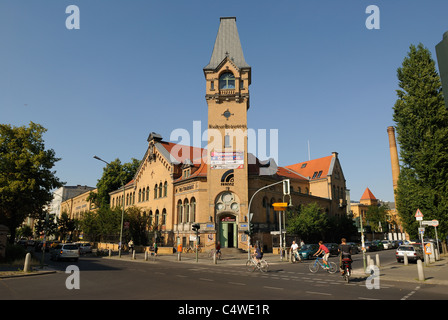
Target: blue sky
{"points": [[318, 76]]}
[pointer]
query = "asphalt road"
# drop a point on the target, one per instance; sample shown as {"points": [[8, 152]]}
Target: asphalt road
{"points": [[111, 279]]}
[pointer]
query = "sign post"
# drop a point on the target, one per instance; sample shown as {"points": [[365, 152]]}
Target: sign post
{"points": [[435, 224], [421, 231], [280, 207]]}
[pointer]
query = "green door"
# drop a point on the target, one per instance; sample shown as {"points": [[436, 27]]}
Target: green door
{"points": [[228, 234]]}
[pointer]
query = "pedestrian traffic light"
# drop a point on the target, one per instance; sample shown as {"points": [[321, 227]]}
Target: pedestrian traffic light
{"points": [[196, 227]]}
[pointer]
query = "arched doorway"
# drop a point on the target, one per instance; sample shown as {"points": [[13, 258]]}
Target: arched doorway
{"points": [[228, 231]]}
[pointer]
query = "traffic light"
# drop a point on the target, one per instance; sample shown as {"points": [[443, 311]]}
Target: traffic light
{"points": [[251, 228], [286, 187], [196, 227]]}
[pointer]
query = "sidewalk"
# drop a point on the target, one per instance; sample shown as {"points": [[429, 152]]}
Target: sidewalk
{"points": [[435, 273]]}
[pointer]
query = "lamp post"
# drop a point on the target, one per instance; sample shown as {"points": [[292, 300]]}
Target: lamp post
{"points": [[122, 212]]}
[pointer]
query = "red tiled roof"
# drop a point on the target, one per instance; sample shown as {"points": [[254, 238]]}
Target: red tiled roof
{"points": [[182, 152], [309, 168], [368, 195]]}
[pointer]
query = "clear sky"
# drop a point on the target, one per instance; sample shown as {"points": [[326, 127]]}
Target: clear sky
{"points": [[319, 76]]}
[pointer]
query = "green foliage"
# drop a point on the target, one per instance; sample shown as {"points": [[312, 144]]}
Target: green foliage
{"points": [[377, 216], [422, 133], [114, 175], [309, 221], [26, 179]]}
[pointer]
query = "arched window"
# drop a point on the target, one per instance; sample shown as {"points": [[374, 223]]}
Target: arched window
{"points": [[227, 81], [179, 211], [160, 190], [155, 191], [193, 209], [157, 217], [163, 217], [150, 218], [165, 189], [186, 210], [147, 193]]}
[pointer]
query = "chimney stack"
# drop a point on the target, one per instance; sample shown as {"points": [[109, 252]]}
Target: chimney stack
{"points": [[393, 156]]}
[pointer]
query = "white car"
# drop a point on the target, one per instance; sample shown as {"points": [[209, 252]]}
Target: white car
{"points": [[85, 248], [387, 244], [65, 251]]}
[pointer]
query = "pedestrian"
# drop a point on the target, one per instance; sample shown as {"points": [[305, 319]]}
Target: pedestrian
{"points": [[155, 248], [131, 246]]}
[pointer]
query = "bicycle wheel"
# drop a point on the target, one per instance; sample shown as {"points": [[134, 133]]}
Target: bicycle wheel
{"points": [[332, 267], [250, 265], [264, 266], [314, 266]]}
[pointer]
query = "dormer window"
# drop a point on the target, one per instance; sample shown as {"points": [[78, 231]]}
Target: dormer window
{"points": [[227, 81]]}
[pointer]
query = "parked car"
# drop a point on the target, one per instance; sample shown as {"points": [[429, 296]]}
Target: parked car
{"points": [[370, 246], [307, 251], [379, 244], [387, 244], [84, 247], [333, 247], [65, 251], [413, 252]]}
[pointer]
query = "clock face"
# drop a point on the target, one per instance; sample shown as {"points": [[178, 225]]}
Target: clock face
{"points": [[219, 206], [234, 206]]}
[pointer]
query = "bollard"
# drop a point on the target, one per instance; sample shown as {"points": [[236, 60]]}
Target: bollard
{"points": [[405, 258], [368, 260], [133, 254], [110, 253], [377, 257], [179, 258], [26, 267], [214, 258], [146, 255], [421, 274]]}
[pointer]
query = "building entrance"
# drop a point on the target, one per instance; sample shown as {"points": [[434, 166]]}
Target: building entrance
{"points": [[228, 232]]}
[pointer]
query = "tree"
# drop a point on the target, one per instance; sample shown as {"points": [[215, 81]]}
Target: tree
{"points": [[66, 226], [422, 133], [26, 179], [377, 217], [114, 175], [309, 221]]}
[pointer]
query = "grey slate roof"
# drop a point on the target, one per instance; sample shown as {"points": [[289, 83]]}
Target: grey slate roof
{"points": [[227, 44]]}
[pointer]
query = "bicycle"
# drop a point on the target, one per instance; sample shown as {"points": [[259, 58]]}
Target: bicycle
{"points": [[296, 257], [261, 265], [331, 267], [212, 252]]}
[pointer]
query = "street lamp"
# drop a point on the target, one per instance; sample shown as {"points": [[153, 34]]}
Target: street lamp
{"points": [[122, 212]]}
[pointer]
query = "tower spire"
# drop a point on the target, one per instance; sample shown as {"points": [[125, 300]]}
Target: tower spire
{"points": [[227, 45]]}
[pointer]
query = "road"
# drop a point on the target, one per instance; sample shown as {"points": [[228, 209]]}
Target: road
{"points": [[111, 279]]}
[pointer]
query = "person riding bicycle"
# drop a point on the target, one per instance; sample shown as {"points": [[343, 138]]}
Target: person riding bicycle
{"points": [[218, 249], [345, 251], [257, 254], [294, 250], [323, 249]]}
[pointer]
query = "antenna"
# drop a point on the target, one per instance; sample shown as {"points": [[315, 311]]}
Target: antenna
{"points": [[309, 156]]}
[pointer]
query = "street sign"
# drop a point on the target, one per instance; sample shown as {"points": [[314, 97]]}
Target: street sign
{"points": [[421, 230], [432, 223], [280, 206], [419, 215]]}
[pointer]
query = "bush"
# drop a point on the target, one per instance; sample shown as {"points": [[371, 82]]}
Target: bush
{"points": [[15, 252]]}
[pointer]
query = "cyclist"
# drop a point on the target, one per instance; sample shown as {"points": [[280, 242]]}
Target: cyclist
{"points": [[345, 251], [294, 250], [218, 249], [257, 254], [323, 249]]}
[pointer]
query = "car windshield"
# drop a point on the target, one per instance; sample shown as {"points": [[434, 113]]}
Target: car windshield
{"points": [[307, 247], [406, 248], [70, 247]]}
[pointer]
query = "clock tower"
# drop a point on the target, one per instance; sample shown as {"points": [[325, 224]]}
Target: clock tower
{"points": [[228, 77]]}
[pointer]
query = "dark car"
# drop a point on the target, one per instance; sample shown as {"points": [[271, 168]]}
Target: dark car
{"points": [[370, 246], [333, 247]]}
